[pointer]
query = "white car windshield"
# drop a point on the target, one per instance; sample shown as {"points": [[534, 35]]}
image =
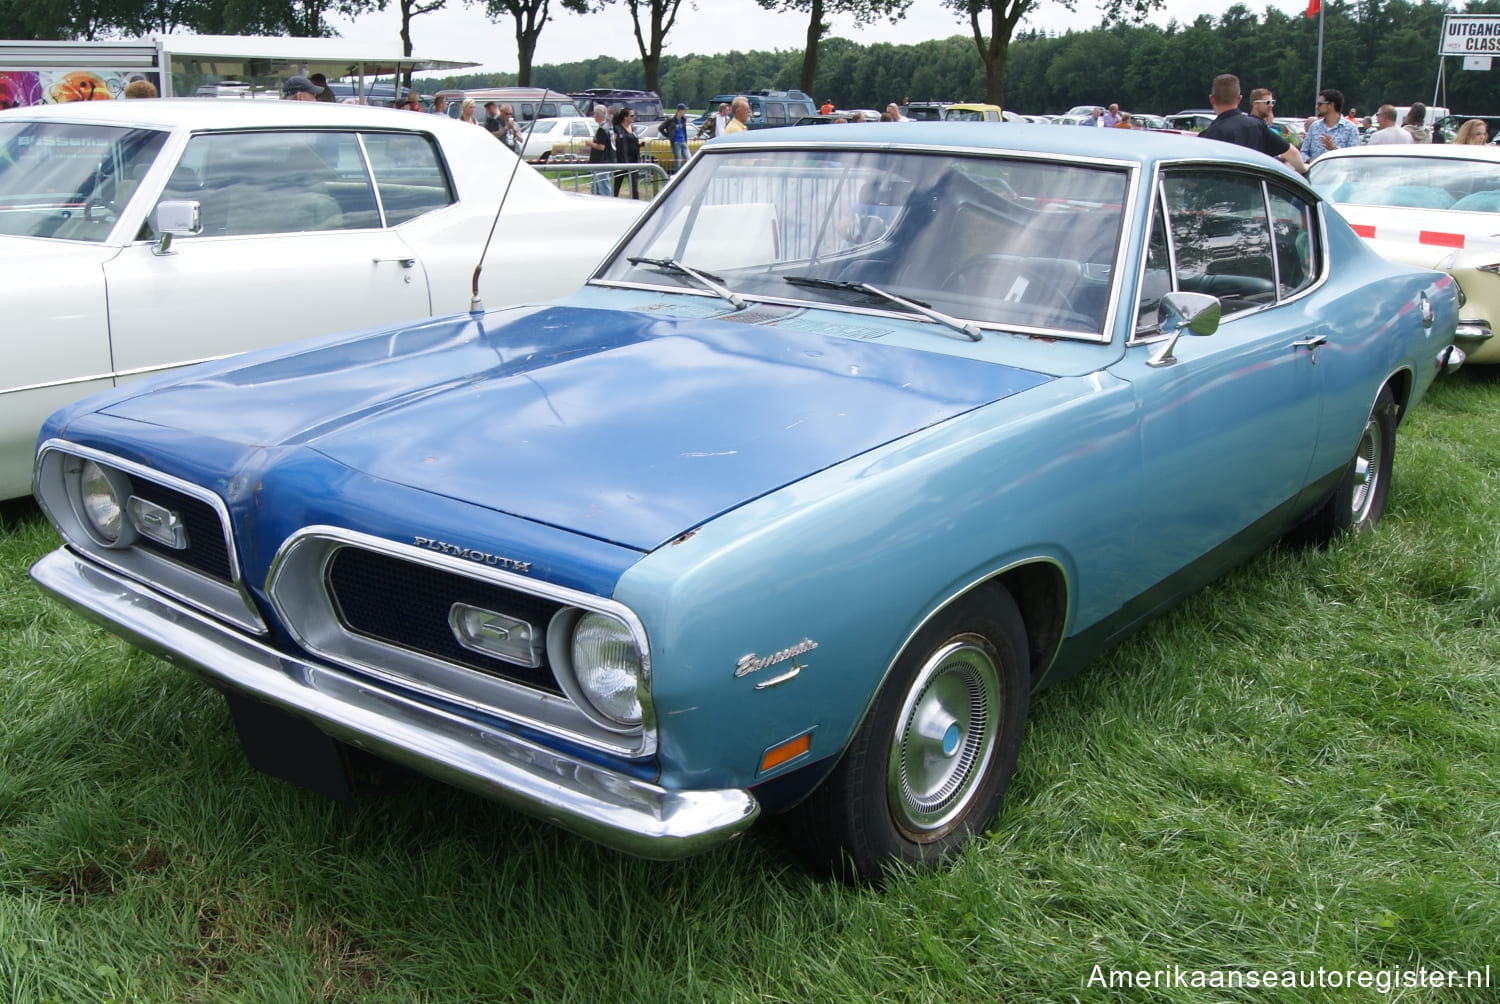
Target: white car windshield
{"points": [[999, 241], [1412, 182], [69, 181]]}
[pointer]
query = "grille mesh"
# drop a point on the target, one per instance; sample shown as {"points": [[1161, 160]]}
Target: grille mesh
{"points": [[406, 604], [206, 551]]}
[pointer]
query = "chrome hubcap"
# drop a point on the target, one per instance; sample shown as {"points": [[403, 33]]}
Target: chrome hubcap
{"points": [[945, 737], [1367, 461]]}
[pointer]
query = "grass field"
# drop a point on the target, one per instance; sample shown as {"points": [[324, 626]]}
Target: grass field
{"points": [[1299, 769]]}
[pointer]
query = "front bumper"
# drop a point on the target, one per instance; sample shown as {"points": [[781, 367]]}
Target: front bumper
{"points": [[611, 808]]}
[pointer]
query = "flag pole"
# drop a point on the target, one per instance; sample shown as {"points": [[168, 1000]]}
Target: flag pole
{"points": [[1319, 78]]}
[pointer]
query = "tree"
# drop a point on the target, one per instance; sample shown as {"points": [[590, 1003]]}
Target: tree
{"points": [[863, 12], [1005, 15], [530, 17], [660, 14]]}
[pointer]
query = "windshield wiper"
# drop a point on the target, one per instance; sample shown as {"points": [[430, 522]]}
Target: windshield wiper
{"points": [[964, 328], [707, 280]]}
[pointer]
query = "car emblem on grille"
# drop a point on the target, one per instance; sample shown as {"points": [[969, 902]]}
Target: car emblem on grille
{"points": [[469, 554]]}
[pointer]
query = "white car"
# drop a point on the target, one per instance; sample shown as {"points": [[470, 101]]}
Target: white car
{"points": [[549, 138], [1430, 205], [138, 236]]}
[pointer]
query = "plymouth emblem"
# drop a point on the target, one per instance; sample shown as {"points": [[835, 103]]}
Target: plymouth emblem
{"points": [[469, 554], [754, 663]]}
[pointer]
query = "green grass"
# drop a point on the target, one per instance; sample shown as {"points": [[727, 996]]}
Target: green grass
{"points": [[1296, 769]]}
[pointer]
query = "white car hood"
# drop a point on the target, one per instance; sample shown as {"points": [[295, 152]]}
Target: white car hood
{"points": [[1426, 237], [43, 257]]}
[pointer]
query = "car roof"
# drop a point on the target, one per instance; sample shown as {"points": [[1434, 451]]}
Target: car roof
{"points": [[1444, 151], [215, 113], [1147, 148]]}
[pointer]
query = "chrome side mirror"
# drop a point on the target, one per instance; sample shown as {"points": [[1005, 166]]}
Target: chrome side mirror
{"points": [[176, 219], [1195, 313]]}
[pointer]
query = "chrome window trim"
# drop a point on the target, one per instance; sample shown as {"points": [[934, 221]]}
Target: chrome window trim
{"points": [[1105, 336], [296, 589], [230, 601]]}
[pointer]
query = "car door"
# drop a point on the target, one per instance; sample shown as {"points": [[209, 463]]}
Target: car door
{"points": [[1228, 430], [294, 244]]}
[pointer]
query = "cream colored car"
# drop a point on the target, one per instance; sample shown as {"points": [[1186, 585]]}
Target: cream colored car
{"points": [[140, 236], [1430, 205]]}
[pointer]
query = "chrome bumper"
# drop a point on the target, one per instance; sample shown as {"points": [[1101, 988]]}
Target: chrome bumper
{"points": [[611, 808], [1471, 334]]}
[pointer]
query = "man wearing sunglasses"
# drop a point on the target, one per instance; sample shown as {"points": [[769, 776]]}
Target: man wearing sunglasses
{"points": [[1330, 130], [1234, 126], [1263, 105]]}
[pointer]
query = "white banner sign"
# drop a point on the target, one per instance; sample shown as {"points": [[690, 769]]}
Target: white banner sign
{"points": [[1477, 62], [1470, 35]]}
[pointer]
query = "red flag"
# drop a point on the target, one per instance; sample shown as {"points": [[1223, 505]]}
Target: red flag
{"points": [[1313, 6]]}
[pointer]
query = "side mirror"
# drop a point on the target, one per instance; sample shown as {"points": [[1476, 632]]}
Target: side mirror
{"points": [[176, 219], [1195, 313]]}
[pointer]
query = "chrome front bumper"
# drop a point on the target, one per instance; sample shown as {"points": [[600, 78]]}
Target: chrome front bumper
{"points": [[611, 808]]}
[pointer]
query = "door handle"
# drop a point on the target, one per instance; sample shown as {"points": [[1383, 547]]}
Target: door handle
{"points": [[1311, 345], [403, 262]]}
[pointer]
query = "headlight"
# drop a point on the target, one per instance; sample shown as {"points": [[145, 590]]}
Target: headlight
{"points": [[101, 496], [606, 666]]}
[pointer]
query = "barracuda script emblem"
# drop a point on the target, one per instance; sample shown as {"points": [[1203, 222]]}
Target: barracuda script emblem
{"points": [[754, 663], [469, 554]]}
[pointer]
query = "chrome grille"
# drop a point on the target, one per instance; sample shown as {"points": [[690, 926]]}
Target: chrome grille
{"points": [[406, 604], [206, 551]]}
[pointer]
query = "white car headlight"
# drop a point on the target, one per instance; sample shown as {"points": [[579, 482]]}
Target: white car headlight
{"points": [[101, 496], [606, 665]]}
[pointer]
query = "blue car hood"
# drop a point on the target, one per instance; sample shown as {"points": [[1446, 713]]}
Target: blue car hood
{"points": [[623, 426]]}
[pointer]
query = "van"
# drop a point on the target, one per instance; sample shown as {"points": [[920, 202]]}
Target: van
{"points": [[770, 108], [645, 104], [527, 102]]}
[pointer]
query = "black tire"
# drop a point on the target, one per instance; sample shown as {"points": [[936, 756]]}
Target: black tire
{"points": [[1358, 502], [927, 768]]}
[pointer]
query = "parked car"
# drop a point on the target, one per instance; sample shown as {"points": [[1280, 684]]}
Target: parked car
{"points": [[1433, 205], [526, 102], [645, 104], [925, 111], [960, 112], [1192, 120], [139, 236], [768, 108], [555, 137], [860, 436]]}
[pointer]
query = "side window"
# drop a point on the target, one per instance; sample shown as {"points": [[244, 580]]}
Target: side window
{"points": [[775, 113], [1221, 237], [274, 182], [1156, 282], [409, 175], [1297, 253]]}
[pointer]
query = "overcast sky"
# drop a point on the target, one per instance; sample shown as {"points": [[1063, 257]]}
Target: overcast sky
{"points": [[463, 33]]}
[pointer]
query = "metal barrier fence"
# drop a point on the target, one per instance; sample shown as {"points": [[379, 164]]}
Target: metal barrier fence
{"points": [[642, 181]]}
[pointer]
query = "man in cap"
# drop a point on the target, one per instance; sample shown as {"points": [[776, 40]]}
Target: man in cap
{"points": [[300, 89]]}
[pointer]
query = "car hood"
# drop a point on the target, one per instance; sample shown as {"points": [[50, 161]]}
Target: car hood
{"points": [[620, 425], [1424, 237], [46, 258]]}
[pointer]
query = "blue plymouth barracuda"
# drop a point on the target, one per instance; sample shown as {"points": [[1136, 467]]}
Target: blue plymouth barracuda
{"points": [[860, 437]]}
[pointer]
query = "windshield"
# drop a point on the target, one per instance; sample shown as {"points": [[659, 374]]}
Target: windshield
{"points": [[69, 181], [1413, 182], [996, 240]]}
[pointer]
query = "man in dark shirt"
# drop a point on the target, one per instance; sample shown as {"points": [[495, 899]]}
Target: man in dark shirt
{"points": [[1234, 126]]}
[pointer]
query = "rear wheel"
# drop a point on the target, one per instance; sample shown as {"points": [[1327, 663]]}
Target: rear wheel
{"points": [[1359, 500], [928, 767]]}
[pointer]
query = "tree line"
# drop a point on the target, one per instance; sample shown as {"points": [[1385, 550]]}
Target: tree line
{"points": [[1375, 51]]}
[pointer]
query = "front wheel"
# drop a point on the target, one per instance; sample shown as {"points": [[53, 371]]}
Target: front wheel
{"points": [[927, 768], [1359, 500]]}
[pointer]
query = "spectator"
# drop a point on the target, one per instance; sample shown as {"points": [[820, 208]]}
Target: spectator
{"points": [[1389, 131], [601, 150], [856, 116], [1329, 130], [1233, 126], [140, 89], [440, 105], [326, 94], [674, 131], [627, 150], [715, 125], [300, 89], [827, 108], [510, 133], [1111, 118], [1416, 123], [1263, 105], [893, 113], [1124, 122], [739, 112], [466, 112], [492, 118], [1097, 119], [1473, 133]]}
